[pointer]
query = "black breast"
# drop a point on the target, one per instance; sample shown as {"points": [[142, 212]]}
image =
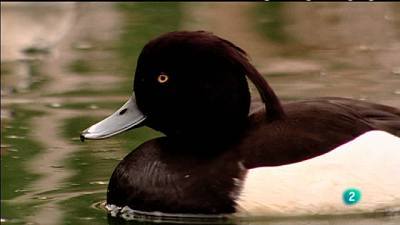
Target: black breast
{"points": [[156, 177]]}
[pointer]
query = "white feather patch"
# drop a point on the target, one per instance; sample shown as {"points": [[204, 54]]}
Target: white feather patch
{"points": [[370, 163]]}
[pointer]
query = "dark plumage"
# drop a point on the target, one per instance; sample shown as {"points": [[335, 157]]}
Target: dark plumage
{"points": [[211, 140]]}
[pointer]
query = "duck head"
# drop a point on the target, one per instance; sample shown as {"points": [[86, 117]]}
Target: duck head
{"points": [[189, 84]]}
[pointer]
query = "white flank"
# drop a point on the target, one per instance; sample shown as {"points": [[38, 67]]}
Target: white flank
{"points": [[369, 163]]}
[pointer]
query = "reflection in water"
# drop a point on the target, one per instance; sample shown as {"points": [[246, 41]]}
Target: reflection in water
{"points": [[28, 28], [325, 56], [36, 33], [66, 65], [29, 31]]}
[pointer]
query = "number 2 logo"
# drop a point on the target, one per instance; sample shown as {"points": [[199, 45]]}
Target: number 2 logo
{"points": [[351, 196]]}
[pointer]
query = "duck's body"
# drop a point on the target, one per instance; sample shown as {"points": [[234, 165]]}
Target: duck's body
{"points": [[313, 127], [323, 147], [286, 159], [369, 163], [178, 184]]}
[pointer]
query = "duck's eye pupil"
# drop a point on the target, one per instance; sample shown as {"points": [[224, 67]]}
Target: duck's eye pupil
{"points": [[162, 78]]}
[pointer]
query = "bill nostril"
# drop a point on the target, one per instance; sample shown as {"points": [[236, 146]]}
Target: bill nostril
{"points": [[122, 112]]}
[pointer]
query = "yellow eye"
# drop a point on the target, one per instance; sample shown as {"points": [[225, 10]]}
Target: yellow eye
{"points": [[162, 78]]}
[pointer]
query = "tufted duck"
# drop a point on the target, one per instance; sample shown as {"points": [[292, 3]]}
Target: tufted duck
{"points": [[286, 159]]}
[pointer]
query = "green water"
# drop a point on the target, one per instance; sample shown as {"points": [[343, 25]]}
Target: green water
{"points": [[66, 66]]}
